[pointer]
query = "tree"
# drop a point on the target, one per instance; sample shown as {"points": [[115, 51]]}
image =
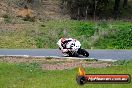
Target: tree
{"points": [[125, 3], [116, 9], [82, 9]]}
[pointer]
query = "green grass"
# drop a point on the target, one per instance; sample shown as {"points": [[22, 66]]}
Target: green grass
{"points": [[15, 39], [24, 75], [97, 35]]}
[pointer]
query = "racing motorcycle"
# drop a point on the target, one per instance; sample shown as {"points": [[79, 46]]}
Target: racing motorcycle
{"points": [[73, 47]]}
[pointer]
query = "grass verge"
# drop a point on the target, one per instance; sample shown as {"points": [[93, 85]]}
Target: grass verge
{"points": [[30, 75], [97, 35]]}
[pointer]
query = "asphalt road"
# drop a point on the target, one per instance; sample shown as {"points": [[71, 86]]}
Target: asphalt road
{"points": [[97, 54]]}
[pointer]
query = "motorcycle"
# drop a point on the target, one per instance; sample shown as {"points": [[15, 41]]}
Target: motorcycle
{"points": [[74, 48]]}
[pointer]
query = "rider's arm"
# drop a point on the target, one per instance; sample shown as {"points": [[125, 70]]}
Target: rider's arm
{"points": [[65, 42], [59, 43], [60, 46]]}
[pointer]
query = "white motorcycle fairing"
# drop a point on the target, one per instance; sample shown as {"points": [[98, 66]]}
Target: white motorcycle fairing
{"points": [[73, 48], [73, 45]]}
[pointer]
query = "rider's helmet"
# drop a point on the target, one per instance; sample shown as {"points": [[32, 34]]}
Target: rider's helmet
{"points": [[63, 39]]}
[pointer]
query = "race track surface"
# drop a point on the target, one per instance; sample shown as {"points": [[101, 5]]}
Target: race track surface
{"points": [[97, 54]]}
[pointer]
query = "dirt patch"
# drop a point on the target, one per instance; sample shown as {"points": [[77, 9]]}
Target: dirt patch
{"points": [[56, 63]]}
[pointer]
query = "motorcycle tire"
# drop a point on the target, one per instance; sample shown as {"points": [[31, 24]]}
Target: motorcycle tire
{"points": [[84, 52]]}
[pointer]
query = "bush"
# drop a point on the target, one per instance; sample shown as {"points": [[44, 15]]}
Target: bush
{"points": [[120, 40], [7, 18], [28, 18], [85, 29]]}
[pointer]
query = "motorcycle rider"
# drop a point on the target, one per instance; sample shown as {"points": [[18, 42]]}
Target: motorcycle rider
{"points": [[63, 42], [71, 47]]}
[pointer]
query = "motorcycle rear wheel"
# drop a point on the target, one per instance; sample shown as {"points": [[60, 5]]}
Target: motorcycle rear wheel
{"points": [[84, 52]]}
